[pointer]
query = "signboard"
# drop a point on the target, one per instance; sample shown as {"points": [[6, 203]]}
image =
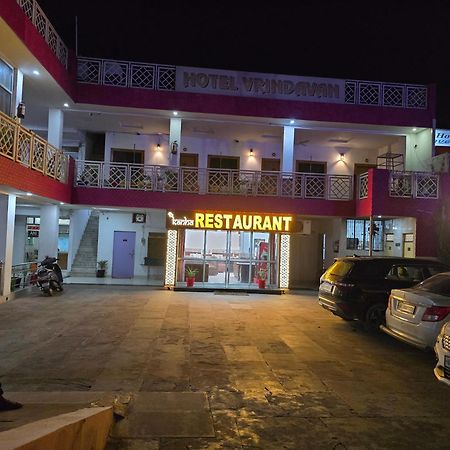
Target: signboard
{"points": [[283, 223], [33, 231], [248, 84], [442, 138]]}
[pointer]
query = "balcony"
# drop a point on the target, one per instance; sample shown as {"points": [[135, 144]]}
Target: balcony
{"points": [[93, 174]]}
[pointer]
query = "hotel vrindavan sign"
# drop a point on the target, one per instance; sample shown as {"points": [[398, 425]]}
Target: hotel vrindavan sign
{"points": [[282, 223]]}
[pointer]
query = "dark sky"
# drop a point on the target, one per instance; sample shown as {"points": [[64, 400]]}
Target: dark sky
{"points": [[397, 40]]}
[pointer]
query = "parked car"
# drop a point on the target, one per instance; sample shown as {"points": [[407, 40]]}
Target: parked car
{"points": [[442, 349], [358, 287], [416, 315]]}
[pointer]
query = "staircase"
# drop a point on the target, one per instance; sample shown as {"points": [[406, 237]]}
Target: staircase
{"points": [[85, 262]]}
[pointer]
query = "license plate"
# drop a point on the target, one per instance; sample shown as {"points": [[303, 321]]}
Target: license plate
{"points": [[406, 308], [326, 287], [447, 362]]}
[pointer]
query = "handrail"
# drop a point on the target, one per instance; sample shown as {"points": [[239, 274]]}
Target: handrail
{"points": [[27, 148]]}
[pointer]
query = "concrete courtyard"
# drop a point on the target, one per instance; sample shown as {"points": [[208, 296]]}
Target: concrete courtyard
{"points": [[199, 370]]}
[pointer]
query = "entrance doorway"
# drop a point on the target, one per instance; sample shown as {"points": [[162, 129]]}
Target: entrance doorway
{"points": [[123, 254], [227, 259]]}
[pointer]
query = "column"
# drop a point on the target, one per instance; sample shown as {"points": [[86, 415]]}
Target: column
{"points": [[175, 137], [17, 91], [49, 231], [7, 220], [287, 156], [55, 127]]}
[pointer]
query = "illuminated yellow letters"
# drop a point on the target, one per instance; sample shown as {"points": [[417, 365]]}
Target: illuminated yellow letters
{"points": [[287, 220], [218, 222], [267, 226], [237, 225], [199, 220], [227, 218], [209, 220], [246, 222], [277, 221], [257, 223]]}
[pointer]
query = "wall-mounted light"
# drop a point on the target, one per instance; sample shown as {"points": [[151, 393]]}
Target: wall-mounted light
{"points": [[158, 147], [251, 152], [341, 156]]}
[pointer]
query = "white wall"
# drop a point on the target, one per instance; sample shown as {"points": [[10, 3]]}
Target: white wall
{"points": [[419, 151], [78, 221], [20, 233], [110, 221]]}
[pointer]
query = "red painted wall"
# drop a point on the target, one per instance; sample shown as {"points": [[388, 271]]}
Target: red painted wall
{"points": [[19, 177]]}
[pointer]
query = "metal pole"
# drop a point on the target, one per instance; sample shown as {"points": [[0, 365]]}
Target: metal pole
{"points": [[371, 236], [76, 36]]}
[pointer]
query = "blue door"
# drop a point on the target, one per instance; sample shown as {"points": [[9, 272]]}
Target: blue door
{"points": [[123, 254]]}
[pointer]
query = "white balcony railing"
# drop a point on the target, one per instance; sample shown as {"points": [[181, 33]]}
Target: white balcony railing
{"points": [[34, 12], [25, 147], [212, 181]]}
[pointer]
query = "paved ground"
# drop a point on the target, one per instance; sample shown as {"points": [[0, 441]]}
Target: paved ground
{"points": [[200, 370]]}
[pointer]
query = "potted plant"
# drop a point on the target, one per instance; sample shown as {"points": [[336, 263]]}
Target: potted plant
{"points": [[190, 276], [262, 277], [102, 266]]}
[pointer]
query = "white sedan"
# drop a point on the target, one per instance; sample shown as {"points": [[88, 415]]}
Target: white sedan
{"points": [[416, 315], [442, 349]]}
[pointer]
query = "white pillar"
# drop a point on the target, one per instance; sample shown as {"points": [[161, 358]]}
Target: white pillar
{"points": [[7, 219], [48, 232], [18, 90], [287, 157], [175, 136], [55, 127]]}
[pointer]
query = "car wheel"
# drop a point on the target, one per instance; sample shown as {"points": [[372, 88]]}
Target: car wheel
{"points": [[375, 316]]}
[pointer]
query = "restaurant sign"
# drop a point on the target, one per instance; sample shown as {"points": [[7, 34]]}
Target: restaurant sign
{"points": [[442, 138], [261, 85], [282, 223]]}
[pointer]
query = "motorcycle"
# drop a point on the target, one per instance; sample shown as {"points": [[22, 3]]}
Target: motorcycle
{"points": [[49, 276]]}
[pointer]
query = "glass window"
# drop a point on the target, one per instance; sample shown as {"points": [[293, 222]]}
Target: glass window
{"points": [[340, 268], [358, 234], [6, 87], [194, 244], [438, 284]]}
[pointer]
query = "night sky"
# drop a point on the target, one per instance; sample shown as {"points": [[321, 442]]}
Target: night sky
{"points": [[399, 41]]}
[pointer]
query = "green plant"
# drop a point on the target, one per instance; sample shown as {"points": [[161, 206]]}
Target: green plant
{"points": [[103, 264], [190, 272], [262, 274]]}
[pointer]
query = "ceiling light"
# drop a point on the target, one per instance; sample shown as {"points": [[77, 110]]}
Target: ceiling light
{"points": [[414, 129], [29, 194], [36, 72], [66, 105], [61, 203], [292, 121], [175, 113]]}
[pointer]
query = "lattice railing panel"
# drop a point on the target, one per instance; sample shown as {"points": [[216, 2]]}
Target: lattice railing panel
{"points": [[219, 181], [268, 184], [427, 185], [88, 173], [7, 136], [89, 71], [242, 182], [171, 257], [38, 154], [27, 7], [285, 240], [51, 158], [115, 176], [40, 21], [339, 187], [141, 178], [350, 92], [315, 186], [143, 76], [115, 73], [393, 95], [166, 78], [166, 179], [400, 184], [24, 146], [369, 93], [363, 185], [189, 180], [62, 163], [416, 97], [52, 39]]}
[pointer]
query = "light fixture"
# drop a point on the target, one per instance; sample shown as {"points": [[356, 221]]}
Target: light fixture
{"points": [[29, 194], [158, 147], [251, 152], [175, 113], [414, 129], [61, 203], [66, 105], [292, 121], [341, 156], [36, 72]]}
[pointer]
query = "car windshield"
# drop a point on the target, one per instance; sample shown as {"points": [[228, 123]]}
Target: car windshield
{"points": [[437, 284], [340, 268]]}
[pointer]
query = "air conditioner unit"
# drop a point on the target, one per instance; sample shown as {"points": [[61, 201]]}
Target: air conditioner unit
{"points": [[304, 226]]}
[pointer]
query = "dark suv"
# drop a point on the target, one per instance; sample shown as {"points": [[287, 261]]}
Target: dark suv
{"points": [[358, 287]]}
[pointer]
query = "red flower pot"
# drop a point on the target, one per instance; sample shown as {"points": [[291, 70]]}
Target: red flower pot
{"points": [[261, 283], [190, 281]]}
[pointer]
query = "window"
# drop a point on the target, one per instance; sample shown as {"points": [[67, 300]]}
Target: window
{"points": [[358, 234], [223, 162], [311, 167], [128, 156], [6, 87]]}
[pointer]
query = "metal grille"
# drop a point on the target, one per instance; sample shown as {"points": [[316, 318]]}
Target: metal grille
{"points": [[363, 185], [141, 178], [38, 159], [27, 7], [143, 76], [446, 342], [393, 95], [427, 185], [268, 184], [40, 21], [63, 53], [115, 176], [314, 186], [52, 39], [7, 133], [400, 184], [284, 260], [115, 73], [350, 92], [88, 174], [166, 78], [369, 93], [219, 181], [189, 179], [89, 71], [340, 187], [166, 179], [171, 257], [416, 97]]}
